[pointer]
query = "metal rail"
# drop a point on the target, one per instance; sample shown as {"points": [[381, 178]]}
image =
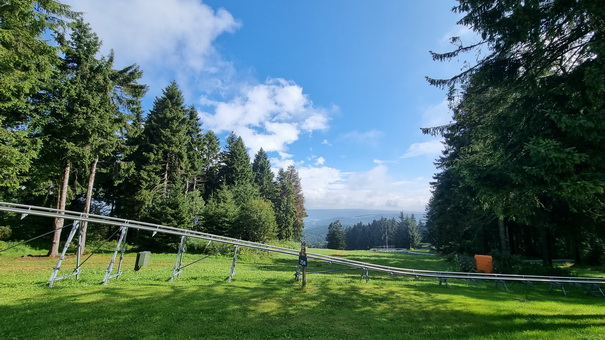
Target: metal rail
{"points": [[417, 273]]}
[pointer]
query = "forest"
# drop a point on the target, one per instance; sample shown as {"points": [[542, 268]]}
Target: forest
{"points": [[74, 136], [404, 232], [523, 171]]}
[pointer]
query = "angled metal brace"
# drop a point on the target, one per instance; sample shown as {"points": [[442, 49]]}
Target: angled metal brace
{"points": [[364, 274], [120, 247], [232, 273], [178, 263], [53, 277], [501, 282], [560, 285]]}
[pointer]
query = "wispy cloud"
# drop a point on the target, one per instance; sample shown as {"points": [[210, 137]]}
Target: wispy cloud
{"points": [[432, 148], [436, 115], [371, 137]]}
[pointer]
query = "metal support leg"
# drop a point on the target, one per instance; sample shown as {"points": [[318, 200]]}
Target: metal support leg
{"points": [[78, 255], [364, 274], [444, 280], [53, 276], [233, 264], [503, 284], [178, 263], [560, 286], [120, 246]]}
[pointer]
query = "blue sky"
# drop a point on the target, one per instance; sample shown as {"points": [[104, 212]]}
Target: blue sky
{"points": [[334, 87]]}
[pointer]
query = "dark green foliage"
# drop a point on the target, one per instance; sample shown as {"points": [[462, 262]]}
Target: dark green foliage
{"points": [[27, 62], [220, 214], [285, 207], [384, 232], [263, 176], [527, 145], [257, 221], [336, 236], [236, 162]]}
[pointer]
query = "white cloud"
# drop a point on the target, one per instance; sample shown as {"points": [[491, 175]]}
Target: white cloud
{"points": [[170, 39], [270, 115], [320, 161], [325, 142], [374, 189], [432, 148]]}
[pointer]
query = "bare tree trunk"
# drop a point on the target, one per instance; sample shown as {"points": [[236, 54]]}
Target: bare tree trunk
{"points": [[59, 221], [91, 182], [165, 180], [503, 237]]}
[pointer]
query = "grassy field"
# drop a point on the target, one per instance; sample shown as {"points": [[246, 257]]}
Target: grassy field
{"points": [[263, 301]]}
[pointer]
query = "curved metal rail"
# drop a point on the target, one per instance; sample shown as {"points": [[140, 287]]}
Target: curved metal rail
{"points": [[417, 273]]}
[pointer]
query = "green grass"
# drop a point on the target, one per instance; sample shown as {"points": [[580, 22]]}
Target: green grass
{"points": [[264, 302]]}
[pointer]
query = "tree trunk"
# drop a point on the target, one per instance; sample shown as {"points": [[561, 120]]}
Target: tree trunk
{"points": [[165, 180], [503, 237], [59, 221], [546, 247], [91, 182]]}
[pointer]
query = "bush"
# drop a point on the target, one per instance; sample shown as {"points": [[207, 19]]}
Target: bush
{"points": [[5, 232]]}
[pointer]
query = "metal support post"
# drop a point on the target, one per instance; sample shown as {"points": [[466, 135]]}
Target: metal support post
{"points": [[78, 254], [501, 282], [444, 280], [560, 285], [53, 277], [120, 246], [178, 263], [365, 274], [233, 264]]}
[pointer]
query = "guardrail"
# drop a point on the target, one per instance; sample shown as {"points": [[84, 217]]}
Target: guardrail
{"points": [[443, 276]]}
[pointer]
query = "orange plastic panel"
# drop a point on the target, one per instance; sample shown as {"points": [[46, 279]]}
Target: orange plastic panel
{"points": [[484, 264]]}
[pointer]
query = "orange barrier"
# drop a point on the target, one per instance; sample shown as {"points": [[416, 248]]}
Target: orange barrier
{"points": [[484, 264]]}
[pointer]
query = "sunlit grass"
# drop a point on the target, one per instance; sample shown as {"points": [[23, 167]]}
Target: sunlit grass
{"points": [[264, 301]]}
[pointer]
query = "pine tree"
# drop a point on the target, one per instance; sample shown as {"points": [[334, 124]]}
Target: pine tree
{"points": [[27, 62], [85, 115], [163, 167], [236, 162], [263, 176], [336, 236], [299, 201], [285, 207]]}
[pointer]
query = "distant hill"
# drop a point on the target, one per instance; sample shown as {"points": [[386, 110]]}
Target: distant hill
{"points": [[316, 224]]}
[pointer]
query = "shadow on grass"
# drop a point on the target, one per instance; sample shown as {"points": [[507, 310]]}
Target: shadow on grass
{"points": [[244, 310]]}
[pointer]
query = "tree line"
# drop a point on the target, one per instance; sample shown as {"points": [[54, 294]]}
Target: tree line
{"points": [[523, 171], [404, 232], [74, 135]]}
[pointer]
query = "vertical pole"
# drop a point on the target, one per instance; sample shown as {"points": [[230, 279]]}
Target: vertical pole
{"points": [[122, 253], [303, 252], [78, 253], [176, 270], [74, 228], [233, 263]]}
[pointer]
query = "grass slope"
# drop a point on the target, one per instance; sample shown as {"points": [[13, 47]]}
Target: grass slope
{"points": [[263, 302]]}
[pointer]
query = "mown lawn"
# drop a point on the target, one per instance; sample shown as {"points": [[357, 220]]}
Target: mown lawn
{"points": [[263, 301]]}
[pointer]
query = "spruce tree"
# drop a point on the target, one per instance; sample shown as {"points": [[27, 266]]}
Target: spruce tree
{"points": [[336, 236], [263, 176]]}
